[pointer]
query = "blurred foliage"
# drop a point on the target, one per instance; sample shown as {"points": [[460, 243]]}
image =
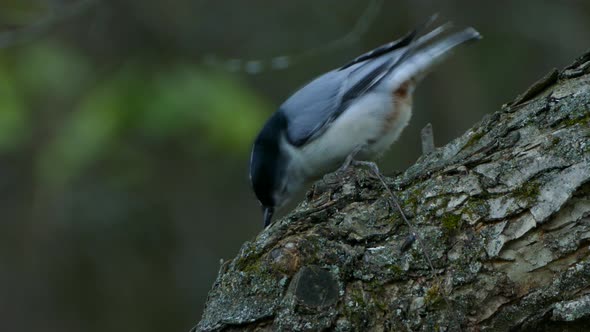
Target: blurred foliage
{"points": [[19, 12], [13, 115], [124, 153], [160, 102]]}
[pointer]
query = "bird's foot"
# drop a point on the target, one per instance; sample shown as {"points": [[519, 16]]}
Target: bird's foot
{"points": [[349, 161], [370, 165]]}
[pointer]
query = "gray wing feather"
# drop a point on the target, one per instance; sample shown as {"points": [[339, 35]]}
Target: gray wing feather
{"points": [[312, 108]]}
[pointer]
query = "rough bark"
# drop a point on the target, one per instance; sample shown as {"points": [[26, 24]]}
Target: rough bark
{"points": [[504, 212]]}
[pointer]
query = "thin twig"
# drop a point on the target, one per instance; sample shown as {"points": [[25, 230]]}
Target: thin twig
{"points": [[427, 139], [284, 61], [395, 200]]}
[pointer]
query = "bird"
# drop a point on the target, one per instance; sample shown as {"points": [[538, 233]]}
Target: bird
{"points": [[356, 111]]}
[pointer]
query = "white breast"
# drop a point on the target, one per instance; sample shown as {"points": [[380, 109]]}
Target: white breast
{"points": [[375, 121]]}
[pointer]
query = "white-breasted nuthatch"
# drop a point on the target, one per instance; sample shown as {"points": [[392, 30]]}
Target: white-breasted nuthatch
{"points": [[359, 108]]}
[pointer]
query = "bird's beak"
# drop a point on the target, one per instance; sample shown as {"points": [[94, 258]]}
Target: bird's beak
{"points": [[268, 212]]}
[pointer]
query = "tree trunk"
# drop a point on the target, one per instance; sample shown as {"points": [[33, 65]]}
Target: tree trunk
{"points": [[503, 212]]}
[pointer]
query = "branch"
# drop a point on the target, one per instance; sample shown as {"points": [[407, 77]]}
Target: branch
{"points": [[505, 213], [284, 61]]}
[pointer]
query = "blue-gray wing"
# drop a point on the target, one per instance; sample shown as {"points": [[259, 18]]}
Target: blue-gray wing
{"points": [[310, 110], [312, 107]]}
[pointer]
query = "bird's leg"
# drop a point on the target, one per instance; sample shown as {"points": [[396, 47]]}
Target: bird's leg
{"points": [[349, 159], [341, 171], [372, 166]]}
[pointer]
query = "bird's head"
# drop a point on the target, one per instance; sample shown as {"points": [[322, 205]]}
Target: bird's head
{"points": [[268, 166]]}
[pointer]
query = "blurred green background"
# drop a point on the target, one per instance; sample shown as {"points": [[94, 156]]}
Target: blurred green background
{"points": [[125, 130]]}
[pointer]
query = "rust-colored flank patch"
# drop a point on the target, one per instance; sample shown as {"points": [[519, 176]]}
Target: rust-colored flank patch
{"points": [[401, 97], [402, 92]]}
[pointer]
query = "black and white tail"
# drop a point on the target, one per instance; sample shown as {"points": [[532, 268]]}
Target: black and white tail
{"points": [[425, 53]]}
